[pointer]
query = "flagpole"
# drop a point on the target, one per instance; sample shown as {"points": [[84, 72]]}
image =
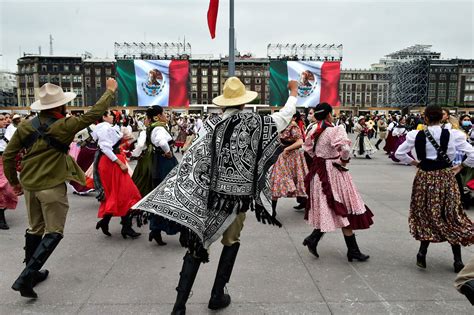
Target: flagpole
{"points": [[231, 41]]}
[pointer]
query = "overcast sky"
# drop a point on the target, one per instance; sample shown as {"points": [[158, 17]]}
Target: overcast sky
{"points": [[368, 29]]}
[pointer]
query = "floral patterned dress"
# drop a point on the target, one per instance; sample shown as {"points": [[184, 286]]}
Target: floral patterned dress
{"points": [[334, 201], [289, 171]]}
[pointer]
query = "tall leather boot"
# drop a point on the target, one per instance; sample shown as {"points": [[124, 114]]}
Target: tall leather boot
{"points": [[468, 290], [219, 299], [378, 143], [421, 256], [458, 264], [103, 224], [127, 227], [156, 235], [3, 221], [312, 241], [31, 244], [186, 280], [24, 283], [353, 251]]}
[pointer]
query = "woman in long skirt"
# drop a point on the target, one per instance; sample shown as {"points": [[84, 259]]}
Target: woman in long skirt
{"points": [[287, 178], [362, 146], [436, 213], [116, 191], [8, 198], [85, 158], [333, 200], [399, 134]]}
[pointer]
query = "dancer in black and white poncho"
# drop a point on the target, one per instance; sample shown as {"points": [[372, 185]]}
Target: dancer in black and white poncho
{"points": [[224, 173]]}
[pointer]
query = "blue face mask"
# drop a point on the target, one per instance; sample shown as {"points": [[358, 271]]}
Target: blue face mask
{"points": [[466, 123]]}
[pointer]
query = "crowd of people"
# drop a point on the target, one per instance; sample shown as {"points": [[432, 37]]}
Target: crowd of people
{"points": [[231, 163]]}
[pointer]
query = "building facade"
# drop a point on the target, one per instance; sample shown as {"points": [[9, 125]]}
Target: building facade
{"points": [[96, 72], [466, 83], [364, 88], [443, 83], [8, 88], [34, 71]]}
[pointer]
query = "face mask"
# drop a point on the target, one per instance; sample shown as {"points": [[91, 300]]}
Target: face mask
{"points": [[466, 123]]}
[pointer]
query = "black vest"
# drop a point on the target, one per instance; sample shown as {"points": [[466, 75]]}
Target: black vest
{"points": [[420, 148]]}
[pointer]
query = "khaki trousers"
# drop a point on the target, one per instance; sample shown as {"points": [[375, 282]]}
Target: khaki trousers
{"points": [[232, 234], [47, 210], [466, 274]]}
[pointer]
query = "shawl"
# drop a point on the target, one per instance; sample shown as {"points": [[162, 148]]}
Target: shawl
{"points": [[225, 171]]}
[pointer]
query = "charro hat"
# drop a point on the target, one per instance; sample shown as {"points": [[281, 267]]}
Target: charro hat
{"points": [[16, 116], [52, 96], [234, 94], [361, 117]]}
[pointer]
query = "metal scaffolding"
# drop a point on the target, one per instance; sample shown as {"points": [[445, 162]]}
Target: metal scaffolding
{"points": [[326, 52], [152, 50], [409, 75]]}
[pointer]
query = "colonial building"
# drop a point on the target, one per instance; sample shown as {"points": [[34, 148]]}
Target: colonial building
{"points": [[443, 83], [8, 88], [466, 83], [34, 71], [96, 72], [364, 88]]}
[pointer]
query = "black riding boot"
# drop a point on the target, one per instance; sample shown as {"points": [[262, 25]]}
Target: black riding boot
{"points": [[156, 235], [31, 244], [219, 299], [24, 283], [421, 256], [3, 221], [378, 143], [186, 280], [458, 264], [103, 224], [127, 227], [353, 251], [468, 290], [301, 203], [312, 241]]}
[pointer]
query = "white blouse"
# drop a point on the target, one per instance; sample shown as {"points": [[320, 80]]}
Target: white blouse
{"points": [[140, 145], [160, 138], [106, 137], [399, 131], [457, 142]]}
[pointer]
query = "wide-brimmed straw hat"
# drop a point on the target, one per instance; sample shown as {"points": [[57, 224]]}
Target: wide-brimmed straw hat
{"points": [[234, 94], [16, 116], [52, 96]]}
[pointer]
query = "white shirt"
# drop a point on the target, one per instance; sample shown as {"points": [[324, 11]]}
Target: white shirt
{"points": [[106, 137], [198, 125], [140, 145], [391, 126], [399, 131], [10, 131], [457, 142], [3, 144], [282, 118], [160, 138]]}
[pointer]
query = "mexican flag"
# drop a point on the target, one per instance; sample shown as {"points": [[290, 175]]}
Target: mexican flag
{"points": [[153, 82], [318, 82]]}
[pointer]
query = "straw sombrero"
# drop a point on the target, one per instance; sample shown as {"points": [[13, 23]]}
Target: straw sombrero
{"points": [[234, 94]]}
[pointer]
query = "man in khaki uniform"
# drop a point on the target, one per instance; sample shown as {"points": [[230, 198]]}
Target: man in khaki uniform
{"points": [[465, 281], [45, 168]]}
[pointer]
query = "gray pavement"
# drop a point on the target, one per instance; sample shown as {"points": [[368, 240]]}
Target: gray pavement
{"points": [[274, 273]]}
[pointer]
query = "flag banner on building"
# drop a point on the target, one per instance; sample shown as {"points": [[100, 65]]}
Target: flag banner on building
{"points": [[153, 82], [318, 82]]}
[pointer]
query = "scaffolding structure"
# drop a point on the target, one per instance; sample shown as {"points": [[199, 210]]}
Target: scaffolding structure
{"points": [[409, 75], [152, 50], [326, 52]]}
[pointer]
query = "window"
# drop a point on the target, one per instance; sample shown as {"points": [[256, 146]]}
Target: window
{"points": [[432, 93], [66, 78], [432, 76], [452, 93], [469, 87], [44, 68], [97, 84], [453, 77], [204, 95], [215, 87], [43, 79], [194, 87], [258, 88], [442, 86], [204, 87], [215, 80], [98, 71], [77, 79], [215, 95], [258, 73], [432, 86], [193, 71], [194, 79], [204, 71], [215, 72], [469, 97], [66, 68], [55, 68], [77, 68], [193, 96], [442, 77], [108, 72], [77, 91], [247, 80], [441, 100], [204, 79], [453, 85], [55, 79], [258, 81], [238, 73], [87, 71]]}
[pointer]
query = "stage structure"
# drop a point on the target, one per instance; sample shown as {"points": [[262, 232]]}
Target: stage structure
{"points": [[409, 75], [321, 52], [152, 51]]}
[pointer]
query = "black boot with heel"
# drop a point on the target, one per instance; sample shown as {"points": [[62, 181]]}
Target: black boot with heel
{"points": [[312, 241], [3, 221], [31, 244], [421, 256], [353, 251], [156, 235], [127, 227], [458, 264], [103, 224]]}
